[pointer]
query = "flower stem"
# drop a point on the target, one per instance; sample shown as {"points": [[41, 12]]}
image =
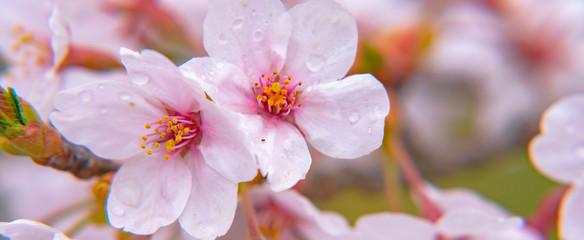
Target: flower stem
{"points": [[393, 189], [252, 221]]}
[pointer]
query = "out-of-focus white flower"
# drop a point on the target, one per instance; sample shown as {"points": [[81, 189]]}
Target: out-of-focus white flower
{"points": [[185, 154], [398, 226], [287, 215], [24, 229], [281, 69], [558, 153]]}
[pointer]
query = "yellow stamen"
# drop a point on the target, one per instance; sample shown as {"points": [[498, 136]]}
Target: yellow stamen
{"points": [[275, 72], [169, 124], [27, 38], [147, 126], [259, 97], [156, 130], [142, 146], [299, 83], [276, 87], [159, 121], [181, 127], [300, 105], [156, 145], [166, 157], [289, 78], [187, 130], [286, 82], [149, 152], [174, 120], [178, 138], [162, 134], [144, 138], [165, 118], [263, 75], [256, 84]]}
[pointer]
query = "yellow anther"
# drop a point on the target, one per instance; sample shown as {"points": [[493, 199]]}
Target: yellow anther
{"points": [[284, 91], [142, 146], [168, 130], [168, 149], [144, 138], [178, 138], [181, 127], [174, 128], [263, 75], [289, 78], [286, 82], [294, 92], [300, 105], [180, 133], [169, 143], [275, 72], [292, 99], [147, 126], [256, 84], [270, 102], [174, 120], [166, 157], [264, 98], [169, 124], [159, 121], [289, 106], [186, 130], [269, 78], [149, 152], [162, 134], [299, 83], [156, 145], [17, 28], [156, 130], [165, 118], [276, 87], [259, 97], [27, 38]]}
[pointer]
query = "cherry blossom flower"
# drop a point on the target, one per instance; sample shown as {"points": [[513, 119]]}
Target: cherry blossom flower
{"points": [[185, 154], [24, 229], [288, 215], [281, 69], [558, 153]]}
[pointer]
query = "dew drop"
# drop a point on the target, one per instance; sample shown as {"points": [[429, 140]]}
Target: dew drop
{"points": [[254, 12], [353, 117], [222, 38], [124, 96], [118, 211], [579, 151], [101, 86], [220, 65], [129, 192], [140, 79], [85, 95], [315, 62], [103, 109], [237, 23], [369, 131], [258, 35]]}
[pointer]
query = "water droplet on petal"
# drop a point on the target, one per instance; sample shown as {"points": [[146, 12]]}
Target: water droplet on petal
{"points": [[237, 23], [140, 79], [129, 192], [118, 211], [353, 117], [124, 96], [579, 151], [222, 38], [315, 62], [254, 12], [220, 65], [369, 131], [258, 35], [85, 95], [103, 109], [101, 86]]}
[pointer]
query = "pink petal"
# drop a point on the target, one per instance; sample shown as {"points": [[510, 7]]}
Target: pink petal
{"points": [[250, 34], [323, 43], [344, 119], [108, 117], [462, 198], [397, 225], [280, 149], [475, 223], [224, 82], [558, 152], [157, 75], [213, 199], [60, 38], [24, 229], [148, 193], [571, 217], [224, 145]]}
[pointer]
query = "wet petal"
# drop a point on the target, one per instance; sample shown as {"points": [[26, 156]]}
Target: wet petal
{"points": [[344, 119], [24, 229]]}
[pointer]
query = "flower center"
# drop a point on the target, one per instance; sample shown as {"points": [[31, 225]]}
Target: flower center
{"points": [[172, 134], [27, 52], [276, 96]]}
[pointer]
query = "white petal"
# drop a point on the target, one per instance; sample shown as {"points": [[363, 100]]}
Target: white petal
{"points": [[397, 225], [475, 223], [24, 229], [250, 34], [462, 198], [323, 43], [224, 145], [571, 217], [108, 117], [211, 207], [558, 152], [157, 75], [148, 193], [224, 82], [280, 149], [60, 38], [344, 119]]}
